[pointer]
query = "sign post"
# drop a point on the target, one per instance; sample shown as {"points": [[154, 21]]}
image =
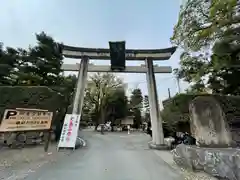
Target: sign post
{"points": [[69, 133]]}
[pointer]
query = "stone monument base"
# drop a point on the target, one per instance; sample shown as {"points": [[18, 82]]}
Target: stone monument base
{"points": [[222, 163], [151, 145]]}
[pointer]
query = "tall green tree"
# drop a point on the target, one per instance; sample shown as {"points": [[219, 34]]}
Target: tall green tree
{"points": [[8, 64], [42, 64], [136, 99], [146, 108], [200, 23], [100, 87], [194, 70], [117, 104], [226, 64], [136, 105]]}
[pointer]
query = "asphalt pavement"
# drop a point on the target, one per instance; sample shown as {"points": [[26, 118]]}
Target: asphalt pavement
{"points": [[113, 156]]}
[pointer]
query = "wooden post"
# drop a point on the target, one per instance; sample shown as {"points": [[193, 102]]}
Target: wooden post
{"points": [[47, 140]]}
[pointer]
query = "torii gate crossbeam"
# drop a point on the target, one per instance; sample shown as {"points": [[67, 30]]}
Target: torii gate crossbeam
{"points": [[129, 69]]}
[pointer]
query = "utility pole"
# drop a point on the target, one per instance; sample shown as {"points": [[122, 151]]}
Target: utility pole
{"points": [[169, 93], [178, 85]]}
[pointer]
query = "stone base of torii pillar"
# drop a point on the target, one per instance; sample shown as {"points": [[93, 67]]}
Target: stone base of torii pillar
{"points": [[152, 145]]}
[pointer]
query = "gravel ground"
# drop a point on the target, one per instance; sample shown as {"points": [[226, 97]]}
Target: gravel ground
{"points": [[18, 163]]}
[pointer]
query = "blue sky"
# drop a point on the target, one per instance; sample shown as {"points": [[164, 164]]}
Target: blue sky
{"points": [[92, 23]]}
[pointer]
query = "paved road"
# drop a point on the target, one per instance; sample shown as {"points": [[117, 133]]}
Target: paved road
{"points": [[114, 156]]}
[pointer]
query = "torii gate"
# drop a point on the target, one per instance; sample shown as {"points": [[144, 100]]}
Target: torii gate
{"points": [[147, 55]]}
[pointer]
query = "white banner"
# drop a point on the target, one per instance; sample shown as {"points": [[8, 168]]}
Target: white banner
{"points": [[69, 131]]}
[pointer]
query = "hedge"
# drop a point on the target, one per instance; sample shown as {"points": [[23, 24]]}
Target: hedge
{"points": [[38, 97], [176, 109]]}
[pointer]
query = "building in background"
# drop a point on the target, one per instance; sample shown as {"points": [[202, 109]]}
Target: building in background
{"points": [[127, 121]]}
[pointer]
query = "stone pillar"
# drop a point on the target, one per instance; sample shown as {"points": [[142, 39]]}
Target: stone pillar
{"points": [[153, 125], [80, 87], [84, 83], [157, 130]]}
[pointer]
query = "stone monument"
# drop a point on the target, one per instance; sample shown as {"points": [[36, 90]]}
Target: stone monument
{"points": [[208, 123]]}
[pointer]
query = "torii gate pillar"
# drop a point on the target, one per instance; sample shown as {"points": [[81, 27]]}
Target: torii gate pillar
{"points": [[80, 87], [156, 120]]}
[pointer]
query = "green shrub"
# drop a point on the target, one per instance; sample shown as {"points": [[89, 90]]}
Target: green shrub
{"points": [[176, 109], [37, 97]]}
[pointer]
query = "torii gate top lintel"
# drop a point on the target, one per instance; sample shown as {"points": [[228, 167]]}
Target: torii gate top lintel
{"points": [[104, 53]]}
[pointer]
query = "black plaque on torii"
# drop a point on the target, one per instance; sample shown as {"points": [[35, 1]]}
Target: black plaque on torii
{"points": [[117, 55]]}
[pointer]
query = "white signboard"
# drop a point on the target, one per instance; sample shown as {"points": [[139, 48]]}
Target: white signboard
{"points": [[69, 131]]}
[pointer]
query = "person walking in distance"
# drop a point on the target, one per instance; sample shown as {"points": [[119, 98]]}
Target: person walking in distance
{"points": [[128, 129], [149, 129]]}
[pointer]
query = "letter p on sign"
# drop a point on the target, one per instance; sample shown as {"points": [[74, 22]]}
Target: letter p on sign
{"points": [[10, 113]]}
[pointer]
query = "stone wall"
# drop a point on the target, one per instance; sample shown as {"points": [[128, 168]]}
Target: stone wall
{"points": [[223, 163]]}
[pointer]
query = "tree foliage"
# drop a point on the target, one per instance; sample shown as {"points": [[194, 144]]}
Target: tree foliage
{"points": [[39, 65], [8, 63], [176, 110], [136, 99], [201, 22], [42, 65], [146, 108], [208, 33], [105, 98], [117, 104], [136, 105]]}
